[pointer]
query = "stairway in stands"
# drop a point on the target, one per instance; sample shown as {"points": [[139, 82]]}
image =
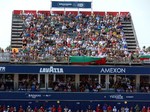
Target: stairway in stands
{"points": [[17, 28], [130, 34]]}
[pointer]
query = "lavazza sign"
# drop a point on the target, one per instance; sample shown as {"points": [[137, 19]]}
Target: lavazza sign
{"points": [[51, 69]]}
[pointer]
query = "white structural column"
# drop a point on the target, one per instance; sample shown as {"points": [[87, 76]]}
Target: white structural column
{"points": [[16, 80], [137, 82], [46, 81], [39, 78], [99, 79], [107, 82], [77, 80], [54, 78]]}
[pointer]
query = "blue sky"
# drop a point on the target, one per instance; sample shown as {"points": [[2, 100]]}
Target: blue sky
{"points": [[139, 9]]}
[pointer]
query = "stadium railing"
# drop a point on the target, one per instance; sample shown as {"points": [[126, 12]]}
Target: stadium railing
{"points": [[65, 60], [5, 57]]}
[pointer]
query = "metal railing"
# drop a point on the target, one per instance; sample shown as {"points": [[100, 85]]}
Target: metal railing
{"points": [[8, 57], [5, 57], [65, 59]]}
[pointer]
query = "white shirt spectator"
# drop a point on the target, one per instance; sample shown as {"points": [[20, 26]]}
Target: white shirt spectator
{"points": [[64, 27], [126, 109], [114, 109], [65, 109]]}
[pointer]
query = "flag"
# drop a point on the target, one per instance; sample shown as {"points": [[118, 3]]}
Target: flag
{"points": [[87, 60]]}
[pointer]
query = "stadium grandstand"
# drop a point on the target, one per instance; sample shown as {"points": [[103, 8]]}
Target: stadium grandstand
{"points": [[74, 61]]}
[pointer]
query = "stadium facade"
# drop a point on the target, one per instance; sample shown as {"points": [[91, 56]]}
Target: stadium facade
{"points": [[55, 80]]}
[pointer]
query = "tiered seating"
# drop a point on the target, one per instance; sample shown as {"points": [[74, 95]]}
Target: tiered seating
{"points": [[54, 37]]}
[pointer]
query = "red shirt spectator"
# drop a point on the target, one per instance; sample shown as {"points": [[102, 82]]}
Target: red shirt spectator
{"points": [[42, 109], [20, 109], [35, 109], [109, 108], [144, 109], [53, 108], [59, 109], [98, 108], [148, 109]]}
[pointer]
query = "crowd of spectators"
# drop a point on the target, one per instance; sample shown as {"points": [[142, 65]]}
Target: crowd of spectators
{"points": [[125, 85], [89, 85], [89, 108], [66, 86], [4, 55], [85, 85], [55, 36], [135, 55], [28, 85], [144, 86], [121, 84], [7, 84]]}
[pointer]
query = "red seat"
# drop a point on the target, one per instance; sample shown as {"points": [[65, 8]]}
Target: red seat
{"points": [[112, 13], [17, 12], [44, 12], [30, 11], [99, 13], [86, 12], [124, 13], [72, 12], [58, 12]]}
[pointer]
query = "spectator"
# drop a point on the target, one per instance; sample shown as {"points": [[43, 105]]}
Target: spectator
{"points": [[21, 109], [148, 109], [105, 108], [109, 109], [137, 108], [59, 108], [114, 109], [66, 109], [51, 37], [126, 109], [144, 109], [53, 108]]}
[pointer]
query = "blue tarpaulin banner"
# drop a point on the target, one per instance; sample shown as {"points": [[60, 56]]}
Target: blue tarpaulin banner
{"points": [[65, 96], [70, 4], [66, 69]]}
